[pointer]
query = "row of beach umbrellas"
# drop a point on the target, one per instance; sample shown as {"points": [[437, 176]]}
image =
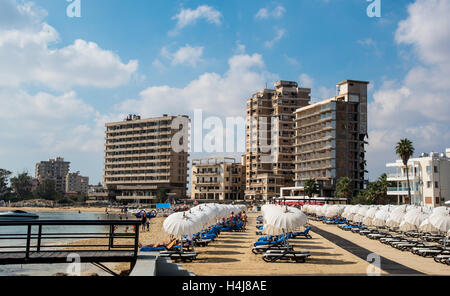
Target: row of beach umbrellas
{"points": [[197, 218], [405, 217]]}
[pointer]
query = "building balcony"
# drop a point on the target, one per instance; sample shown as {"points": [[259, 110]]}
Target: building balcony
{"points": [[399, 177], [400, 191]]}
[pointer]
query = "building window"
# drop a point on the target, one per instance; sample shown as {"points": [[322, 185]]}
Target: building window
{"points": [[428, 184], [435, 169], [436, 184], [428, 170]]}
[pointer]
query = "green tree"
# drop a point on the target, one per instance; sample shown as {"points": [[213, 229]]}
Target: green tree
{"points": [[405, 150], [375, 193], [361, 198], [4, 189], [311, 187], [162, 195], [21, 185], [47, 190], [344, 188]]}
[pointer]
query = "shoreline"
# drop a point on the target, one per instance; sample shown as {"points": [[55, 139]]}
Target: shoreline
{"points": [[61, 209]]}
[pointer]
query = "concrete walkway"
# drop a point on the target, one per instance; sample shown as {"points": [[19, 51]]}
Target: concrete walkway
{"points": [[420, 264], [391, 267]]}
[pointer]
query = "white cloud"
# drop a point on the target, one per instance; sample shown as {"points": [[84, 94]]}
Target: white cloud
{"points": [[41, 115], [266, 13], [25, 56], [48, 122], [185, 55], [222, 95], [306, 81], [240, 48], [426, 28], [189, 16], [367, 42], [279, 35], [291, 60], [318, 93], [416, 107]]}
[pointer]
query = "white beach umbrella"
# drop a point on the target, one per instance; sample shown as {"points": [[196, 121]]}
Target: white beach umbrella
{"points": [[305, 209], [347, 211], [369, 216], [396, 217], [441, 210], [201, 216], [182, 223], [404, 226], [441, 222], [360, 214], [271, 230], [215, 210], [426, 226], [352, 212], [286, 218], [448, 233], [413, 219], [334, 211], [381, 216]]}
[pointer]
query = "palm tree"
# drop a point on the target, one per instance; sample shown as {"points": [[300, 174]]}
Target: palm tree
{"points": [[405, 150], [344, 188], [311, 187]]}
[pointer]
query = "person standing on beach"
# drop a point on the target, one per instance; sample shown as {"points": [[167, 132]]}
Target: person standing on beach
{"points": [[231, 219], [244, 219], [144, 220]]}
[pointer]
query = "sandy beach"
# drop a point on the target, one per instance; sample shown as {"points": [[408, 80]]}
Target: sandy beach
{"points": [[230, 254]]}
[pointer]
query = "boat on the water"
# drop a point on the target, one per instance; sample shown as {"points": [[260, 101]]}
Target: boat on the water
{"points": [[17, 215]]}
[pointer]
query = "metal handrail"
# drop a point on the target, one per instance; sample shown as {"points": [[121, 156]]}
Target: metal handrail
{"points": [[40, 236]]}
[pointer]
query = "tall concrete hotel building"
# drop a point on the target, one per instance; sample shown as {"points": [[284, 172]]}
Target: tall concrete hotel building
{"points": [[330, 139], [270, 135], [140, 160]]}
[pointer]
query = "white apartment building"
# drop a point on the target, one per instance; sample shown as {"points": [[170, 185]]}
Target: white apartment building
{"points": [[429, 178]]}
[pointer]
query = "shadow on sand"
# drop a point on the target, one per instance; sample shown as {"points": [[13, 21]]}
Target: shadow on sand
{"points": [[328, 261], [217, 260], [223, 253]]}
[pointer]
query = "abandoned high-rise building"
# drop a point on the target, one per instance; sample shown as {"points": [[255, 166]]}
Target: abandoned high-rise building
{"points": [[141, 162], [270, 138], [330, 138], [53, 169]]}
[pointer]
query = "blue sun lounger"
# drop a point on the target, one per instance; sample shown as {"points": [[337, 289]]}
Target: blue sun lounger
{"points": [[303, 234]]}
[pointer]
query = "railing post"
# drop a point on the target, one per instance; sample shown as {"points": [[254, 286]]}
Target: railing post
{"points": [[27, 251], [111, 227], [39, 239], [136, 239]]}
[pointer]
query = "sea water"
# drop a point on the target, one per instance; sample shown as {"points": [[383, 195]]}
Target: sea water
{"points": [[51, 269]]}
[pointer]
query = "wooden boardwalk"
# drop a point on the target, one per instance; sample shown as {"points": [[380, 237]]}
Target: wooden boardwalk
{"points": [[34, 251], [48, 257]]}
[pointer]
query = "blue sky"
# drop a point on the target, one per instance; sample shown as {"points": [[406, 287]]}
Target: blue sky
{"points": [[239, 48]]}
